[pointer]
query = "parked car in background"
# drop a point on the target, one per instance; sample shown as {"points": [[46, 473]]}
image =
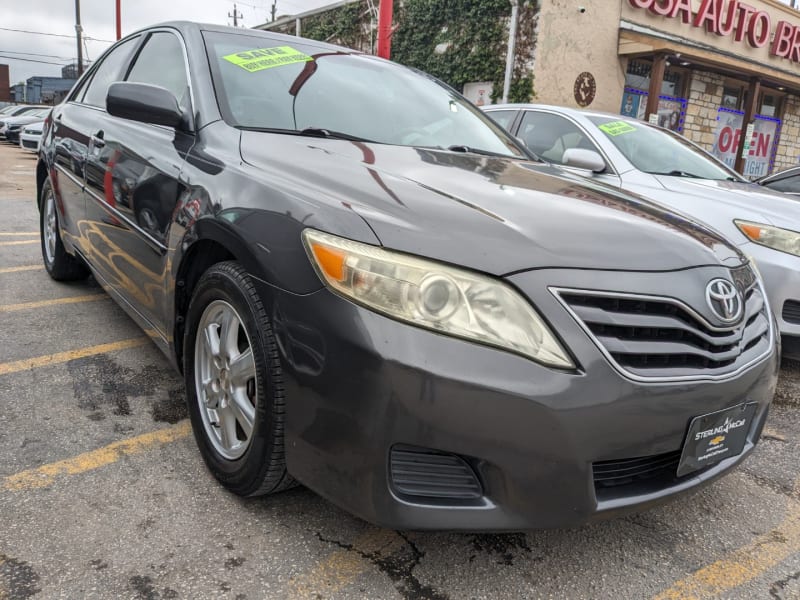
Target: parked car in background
{"points": [[15, 110], [30, 136], [370, 287], [11, 127], [786, 181], [664, 166]]}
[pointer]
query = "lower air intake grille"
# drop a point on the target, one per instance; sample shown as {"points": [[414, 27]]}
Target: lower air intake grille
{"points": [[427, 473], [791, 311], [613, 473]]}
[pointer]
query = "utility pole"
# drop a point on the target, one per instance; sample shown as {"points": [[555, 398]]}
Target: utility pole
{"points": [[385, 29], [79, 33], [235, 16], [274, 8], [119, 19]]}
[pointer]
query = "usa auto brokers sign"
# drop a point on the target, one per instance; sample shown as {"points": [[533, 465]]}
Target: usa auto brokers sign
{"points": [[732, 18]]}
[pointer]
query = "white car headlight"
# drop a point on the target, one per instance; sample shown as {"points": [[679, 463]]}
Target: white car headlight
{"points": [[784, 240], [434, 296]]}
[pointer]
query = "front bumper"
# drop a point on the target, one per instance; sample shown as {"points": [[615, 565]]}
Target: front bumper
{"points": [[781, 274], [358, 383]]}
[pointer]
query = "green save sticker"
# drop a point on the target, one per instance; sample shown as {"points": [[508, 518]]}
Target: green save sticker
{"points": [[266, 58], [616, 128]]}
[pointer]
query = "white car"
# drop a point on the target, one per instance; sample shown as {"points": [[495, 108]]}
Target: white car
{"points": [[10, 126], [30, 136], [666, 167]]}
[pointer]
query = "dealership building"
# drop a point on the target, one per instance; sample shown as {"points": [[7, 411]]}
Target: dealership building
{"points": [[703, 68]]}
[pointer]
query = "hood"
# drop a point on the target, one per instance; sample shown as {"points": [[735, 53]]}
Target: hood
{"points": [[718, 203], [492, 214]]}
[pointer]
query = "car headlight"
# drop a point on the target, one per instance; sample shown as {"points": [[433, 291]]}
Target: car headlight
{"points": [[434, 296], [776, 238]]}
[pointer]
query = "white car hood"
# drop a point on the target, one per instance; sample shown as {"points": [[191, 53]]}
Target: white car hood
{"points": [[719, 202]]}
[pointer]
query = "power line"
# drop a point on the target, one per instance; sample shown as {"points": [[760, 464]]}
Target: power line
{"points": [[53, 34], [34, 54], [33, 60]]}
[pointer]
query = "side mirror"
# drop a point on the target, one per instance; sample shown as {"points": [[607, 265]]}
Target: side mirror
{"points": [[584, 159], [144, 103]]}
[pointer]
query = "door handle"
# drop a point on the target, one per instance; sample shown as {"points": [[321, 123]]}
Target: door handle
{"points": [[97, 140]]}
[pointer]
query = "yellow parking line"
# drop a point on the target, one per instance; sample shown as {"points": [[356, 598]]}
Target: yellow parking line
{"points": [[62, 357], [45, 475], [55, 301], [19, 242], [19, 233], [744, 564], [23, 268], [343, 567]]}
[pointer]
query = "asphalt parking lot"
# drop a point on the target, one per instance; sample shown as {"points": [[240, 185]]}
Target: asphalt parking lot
{"points": [[104, 495]]}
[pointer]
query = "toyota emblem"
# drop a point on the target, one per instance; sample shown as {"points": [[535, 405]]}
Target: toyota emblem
{"points": [[724, 300]]}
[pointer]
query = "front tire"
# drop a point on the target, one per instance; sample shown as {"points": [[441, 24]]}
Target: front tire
{"points": [[61, 265], [234, 386]]}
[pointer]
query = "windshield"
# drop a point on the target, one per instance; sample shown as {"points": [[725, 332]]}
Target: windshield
{"points": [[293, 86], [661, 152]]}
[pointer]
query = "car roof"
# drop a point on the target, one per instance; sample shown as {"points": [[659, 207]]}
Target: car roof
{"points": [[565, 110]]}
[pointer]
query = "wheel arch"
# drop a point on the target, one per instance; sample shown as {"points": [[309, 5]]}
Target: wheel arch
{"points": [[213, 243], [41, 176]]}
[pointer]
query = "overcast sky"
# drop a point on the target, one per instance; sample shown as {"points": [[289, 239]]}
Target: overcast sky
{"points": [[97, 18]]}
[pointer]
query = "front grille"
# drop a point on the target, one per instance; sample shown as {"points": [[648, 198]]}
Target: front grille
{"points": [[29, 144], [428, 473], [660, 337], [791, 311]]}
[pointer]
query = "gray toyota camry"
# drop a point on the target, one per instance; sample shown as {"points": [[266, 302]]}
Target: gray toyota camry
{"points": [[373, 290]]}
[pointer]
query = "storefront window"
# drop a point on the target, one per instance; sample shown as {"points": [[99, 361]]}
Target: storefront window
{"points": [[769, 105], [638, 77], [760, 156], [732, 97]]}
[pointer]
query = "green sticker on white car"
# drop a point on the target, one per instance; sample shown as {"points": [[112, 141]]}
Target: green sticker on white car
{"points": [[616, 128], [259, 59]]}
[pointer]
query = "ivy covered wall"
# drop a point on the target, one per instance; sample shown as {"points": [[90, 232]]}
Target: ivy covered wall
{"points": [[458, 41]]}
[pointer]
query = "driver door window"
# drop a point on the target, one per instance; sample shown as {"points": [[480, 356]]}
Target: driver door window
{"points": [[161, 63]]}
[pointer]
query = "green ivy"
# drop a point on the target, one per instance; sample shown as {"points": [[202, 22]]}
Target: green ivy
{"points": [[458, 41], [341, 26]]}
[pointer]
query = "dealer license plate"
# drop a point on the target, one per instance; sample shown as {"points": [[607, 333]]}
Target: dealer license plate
{"points": [[715, 437]]}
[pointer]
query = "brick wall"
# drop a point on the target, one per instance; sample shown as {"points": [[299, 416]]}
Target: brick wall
{"points": [[705, 97], [788, 154]]}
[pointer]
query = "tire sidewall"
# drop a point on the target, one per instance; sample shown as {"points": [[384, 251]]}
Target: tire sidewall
{"points": [[47, 187], [246, 471]]}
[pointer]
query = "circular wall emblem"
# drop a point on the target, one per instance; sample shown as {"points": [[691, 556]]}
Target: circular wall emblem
{"points": [[724, 300], [585, 89]]}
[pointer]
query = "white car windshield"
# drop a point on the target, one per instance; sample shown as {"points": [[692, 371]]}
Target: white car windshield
{"points": [[661, 152]]}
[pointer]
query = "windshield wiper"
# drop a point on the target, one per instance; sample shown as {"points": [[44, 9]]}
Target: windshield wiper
{"points": [[308, 131], [677, 173], [471, 150], [331, 135]]}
